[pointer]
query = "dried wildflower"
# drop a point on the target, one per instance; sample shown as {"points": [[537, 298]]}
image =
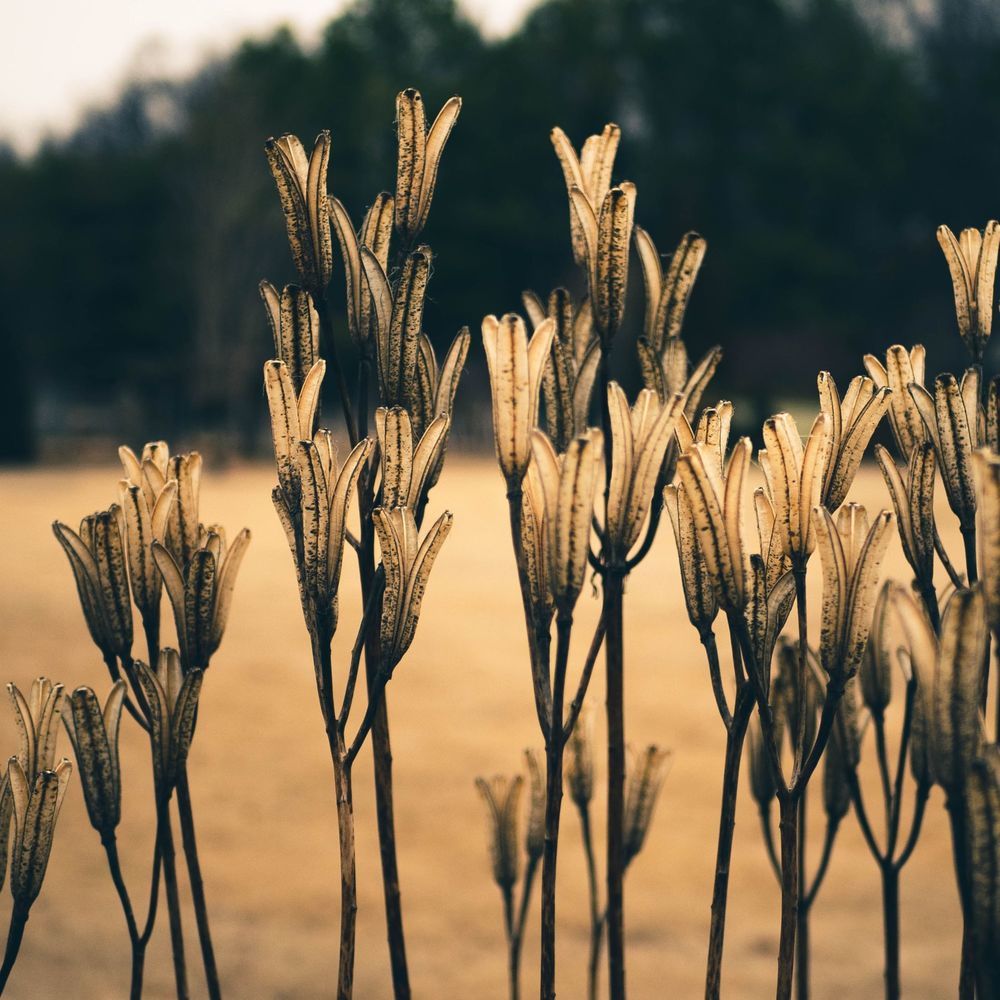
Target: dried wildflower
{"points": [[772, 553], [97, 557], [667, 294], [94, 735], [571, 368], [700, 596], [405, 468], [534, 838], [515, 366], [671, 372], [901, 369], [502, 796], [639, 441], [418, 159], [569, 483], [851, 553], [295, 326], [642, 787], [301, 182], [172, 697], [913, 502], [987, 467], [717, 507], [293, 415], [952, 418], [972, 261], [875, 672], [375, 234], [37, 718], [579, 769], [590, 173], [535, 533], [851, 423], [795, 477], [982, 811], [765, 613], [607, 234], [202, 594], [407, 563], [315, 522], [36, 805]]}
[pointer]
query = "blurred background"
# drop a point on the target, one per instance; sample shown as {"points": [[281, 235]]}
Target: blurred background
{"points": [[815, 143]]}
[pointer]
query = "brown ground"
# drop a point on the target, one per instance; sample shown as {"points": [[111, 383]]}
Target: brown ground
{"points": [[460, 706]]}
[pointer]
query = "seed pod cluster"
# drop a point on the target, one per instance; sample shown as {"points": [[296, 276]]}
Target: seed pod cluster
{"points": [[295, 325], [902, 369], [972, 261]]}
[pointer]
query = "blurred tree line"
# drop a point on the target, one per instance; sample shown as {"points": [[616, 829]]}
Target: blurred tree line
{"points": [[816, 143]]}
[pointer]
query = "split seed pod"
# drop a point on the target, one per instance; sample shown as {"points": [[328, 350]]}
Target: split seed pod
{"points": [[642, 788], [515, 367], [143, 526], [295, 327], [419, 156], [590, 172], [851, 423], [875, 672], [639, 441], [94, 735], [407, 563], [293, 417], [952, 418], [534, 838], [172, 697], [972, 261], [699, 588], [901, 369], [579, 769], [502, 796], [435, 386], [301, 182], [405, 469], [671, 371]]}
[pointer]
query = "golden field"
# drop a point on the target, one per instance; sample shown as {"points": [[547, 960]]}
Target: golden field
{"points": [[460, 706]]}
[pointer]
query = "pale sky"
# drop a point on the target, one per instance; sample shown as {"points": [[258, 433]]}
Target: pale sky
{"points": [[61, 56]]}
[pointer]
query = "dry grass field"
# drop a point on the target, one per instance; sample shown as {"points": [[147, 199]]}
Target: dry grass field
{"points": [[460, 706]]}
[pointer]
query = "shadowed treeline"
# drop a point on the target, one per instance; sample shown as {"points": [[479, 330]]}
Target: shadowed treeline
{"points": [[817, 148]]}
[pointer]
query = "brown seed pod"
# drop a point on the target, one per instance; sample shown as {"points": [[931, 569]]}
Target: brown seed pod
{"points": [[502, 796], [972, 261]]}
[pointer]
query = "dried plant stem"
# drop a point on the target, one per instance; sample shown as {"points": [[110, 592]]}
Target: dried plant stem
{"points": [[515, 935], [735, 735], [327, 337], [15, 934], [890, 922], [949, 566], [173, 900], [802, 916], [788, 827], [136, 941], [801, 699], [956, 813], [614, 658], [190, 842], [969, 541], [596, 917], [348, 877], [553, 806]]}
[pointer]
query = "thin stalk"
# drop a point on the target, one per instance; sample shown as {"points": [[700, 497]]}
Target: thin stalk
{"points": [[824, 862], [15, 934], [326, 333], [348, 877], [522, 918], [953, 574], [788, 827], [767, 832], [890, 923], [138, 946], [882, 753], [919, 806], [512, 958], [801, 700], [173, 901], [190, 842], [956, 813], [614, 653], [553, 806], [969, 541], [735, 734], [802, 917], [715, 675], [596, 917]]}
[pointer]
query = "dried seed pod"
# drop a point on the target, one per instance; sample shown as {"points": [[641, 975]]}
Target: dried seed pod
{"points": [[590, 172], [571, 368], [375, 234], [535, 540], [579, 769], [987, 467], [851, 423], [670, 371], [295, 327], [94, 735], [952, 419], [515, 367], [301, 182], [607, 235], [569, 484], [762, 785], [407, 563], [642, 787], [293, 416], [398, 350], [992, 437], [836, 789], [717, 508], [37, 718], [435, 388], [172, 696], [316, 522], [913, 502], [97, 557], [982, 810], [776, 563], [699, 588], [875, 672], [202, 594], [794, 476], [901, 369], [667, 295], [785, 694], [419, 156], [639, 441], [766, 611], [405, 468], [502, 796], [534, 838], [851, 553], [36, 804], [143, 526], [972, 261]]}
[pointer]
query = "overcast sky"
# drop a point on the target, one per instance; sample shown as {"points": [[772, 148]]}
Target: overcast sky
{"points": [[60, 56]]}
